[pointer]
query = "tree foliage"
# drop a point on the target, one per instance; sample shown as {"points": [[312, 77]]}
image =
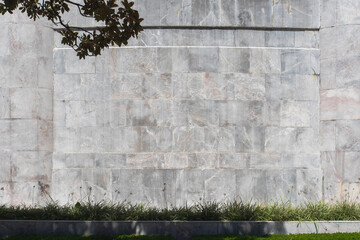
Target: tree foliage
{"points": [[117, 23]]}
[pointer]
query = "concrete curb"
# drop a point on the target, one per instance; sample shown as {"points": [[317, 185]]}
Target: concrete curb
{"points": [[178, 229]]}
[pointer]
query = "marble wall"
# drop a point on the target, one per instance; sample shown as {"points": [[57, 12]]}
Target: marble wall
{"points": [[340, 99], [215, 100], [26, 122]]}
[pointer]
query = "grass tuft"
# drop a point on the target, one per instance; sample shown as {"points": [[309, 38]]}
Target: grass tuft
{"points": [[205, 211]]}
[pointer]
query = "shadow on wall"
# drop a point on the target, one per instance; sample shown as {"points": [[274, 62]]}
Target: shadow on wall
{"points": [[179, 230]]}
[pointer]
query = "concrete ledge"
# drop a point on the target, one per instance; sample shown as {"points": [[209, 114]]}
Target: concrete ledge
{"points": [[178, 229]]}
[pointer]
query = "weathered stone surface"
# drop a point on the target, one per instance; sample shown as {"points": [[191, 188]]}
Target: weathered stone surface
{"points": [[215, 100], [340, 104], [347, 135]]}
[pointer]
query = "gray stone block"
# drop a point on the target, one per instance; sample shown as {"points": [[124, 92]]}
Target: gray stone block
{"points": [[24, 135], [347, 135], [327, 135], [4, 103], [5, 164]]}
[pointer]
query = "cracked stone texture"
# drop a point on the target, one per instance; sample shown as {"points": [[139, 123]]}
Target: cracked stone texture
{"points": [[183, 115], [244, 13], [26, 122], [339, 96]]}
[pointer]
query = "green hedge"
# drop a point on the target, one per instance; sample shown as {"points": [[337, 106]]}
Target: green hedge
{"points": [[231, 211]]}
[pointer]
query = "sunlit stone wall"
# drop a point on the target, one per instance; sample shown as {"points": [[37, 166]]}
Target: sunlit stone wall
{"points": [[216, 100], [189, 113], [340, 99], [26, 127]]}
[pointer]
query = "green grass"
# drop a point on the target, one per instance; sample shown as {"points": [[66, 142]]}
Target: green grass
{"points": [[231, 211], [121, 237], [336, 236]]}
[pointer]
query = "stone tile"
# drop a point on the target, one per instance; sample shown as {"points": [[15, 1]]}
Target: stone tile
{"points": [[265, 61], [59, 114], [157, 186], [5, 132], [164, 60], [340, 104], [249, 38], [300, 61], [281, 185], [307, 140], [220, 185], [139, 113], [45, 135], [301, 160], [66, 139], [309, 185], [299, 87], [110, 160], [118, 113], [24, 135], [249, 139], [234, 60], [95, 139], [247, 182], [45, 75], [205, 13], [327, 135], [181, 59], [347, 73], [67, 185], [135, 60], [29, 193], [95, 87], [295, 114], [204, 59], [226, 139], [351, 163], [280, 139], [24, 102], [45, 107], [73, 160], [350, 192], [28, 166], [233, 160], [144, 161], [80, 114], [348, 135], [5, 173], [307, 39], [176, 161], [265, 160], [201, 113], [4, 103], [189, 187], [247, 87], [126, 139], [66, 61], [279, 39], [96, 185], [328, 11], [194, 139], [328, 42], [203, 160], [346, 12], [328, 74], [5, 196]]}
